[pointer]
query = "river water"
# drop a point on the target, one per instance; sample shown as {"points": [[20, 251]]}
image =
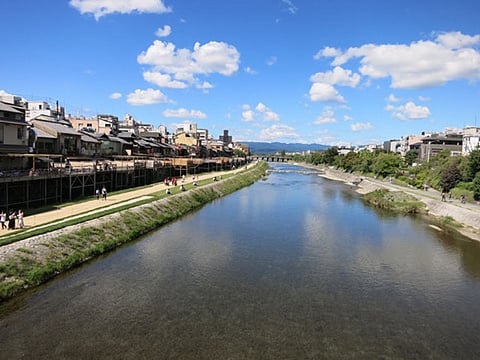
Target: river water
{"points": [[292, 267]]}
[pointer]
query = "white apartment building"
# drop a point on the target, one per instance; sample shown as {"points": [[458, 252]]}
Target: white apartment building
{"points": [[37, 108], [471, 139]]}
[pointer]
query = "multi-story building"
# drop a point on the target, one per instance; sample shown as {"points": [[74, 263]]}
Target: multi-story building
{"points": [[56, 137], [13, 127], [191, 130], [37, 108], [471, 139], [84, 124], [436, 143], [184, 138], [129, 124], [396, 146], [108, 124], [225, 138]]}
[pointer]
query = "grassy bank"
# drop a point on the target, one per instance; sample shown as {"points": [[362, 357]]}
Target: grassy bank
{"points": [[396, 201], [57, 252]]}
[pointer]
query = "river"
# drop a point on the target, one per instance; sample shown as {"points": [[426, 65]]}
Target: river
{"points": [[292, 267]]}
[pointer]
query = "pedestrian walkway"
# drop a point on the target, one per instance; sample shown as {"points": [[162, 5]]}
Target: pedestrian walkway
{"points": [[69, 212]]}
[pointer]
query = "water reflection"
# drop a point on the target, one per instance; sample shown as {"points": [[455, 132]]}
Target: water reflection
{"points": [[293, 267]]}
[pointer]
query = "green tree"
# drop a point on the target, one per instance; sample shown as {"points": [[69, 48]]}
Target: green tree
{"points": [[299, 158], [450, 177], [476, 186], [365, 161], [239, 152], [386, 164], [339, 161], [411, 156], [473, 164], [350, 161], [329, 155], [316, 158]]}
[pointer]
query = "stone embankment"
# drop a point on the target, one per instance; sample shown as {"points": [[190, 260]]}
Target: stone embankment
{"points": [[468, 215]]}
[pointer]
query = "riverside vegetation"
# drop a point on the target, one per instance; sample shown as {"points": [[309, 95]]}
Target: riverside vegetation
{"points": [[397, 201], [457, 175], [58, 251]]}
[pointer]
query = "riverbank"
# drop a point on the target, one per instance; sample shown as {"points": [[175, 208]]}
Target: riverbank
{"points": [[466, 215], [32, 261]]}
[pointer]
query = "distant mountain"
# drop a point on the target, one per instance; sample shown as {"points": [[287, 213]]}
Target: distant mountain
{"points": [[274, 147]]}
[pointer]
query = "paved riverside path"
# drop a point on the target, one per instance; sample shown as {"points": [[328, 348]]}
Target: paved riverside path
{"points": [[93, 205]]}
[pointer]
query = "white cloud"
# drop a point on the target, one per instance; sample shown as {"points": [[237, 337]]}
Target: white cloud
{"points": [[325, 92], [99, 8], [422, 64], [457, 40], [326, 140], [326, 117], [248, 115], [216, 57], [409, 111], [323, 84], [163, 80], [184, 113], [271, 116], [262, 112], [115, 96], [338, 76], [164, 32], [347, 118], [146, 97], [272, 60], [185, 65], [278, 131], [361, 126], [393, 98], [327, 52], [250, 71], [205, 86], [291, 8], [266, 114]]}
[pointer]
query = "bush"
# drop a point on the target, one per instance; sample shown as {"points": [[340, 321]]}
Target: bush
{"points": [[458, 192], [476, 186]]}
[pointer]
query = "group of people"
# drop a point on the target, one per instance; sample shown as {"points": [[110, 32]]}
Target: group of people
{"points": [[103, 192], [448, 197], [12, 220], [170, 181], [173, 181]]}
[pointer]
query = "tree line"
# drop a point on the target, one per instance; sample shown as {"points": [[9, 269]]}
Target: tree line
{"points": [[456, 175]]}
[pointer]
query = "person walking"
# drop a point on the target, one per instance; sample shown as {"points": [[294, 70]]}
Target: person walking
{"points": [[97, 193], [11, 220], [104, 193], [3, 218], [21, 225]]}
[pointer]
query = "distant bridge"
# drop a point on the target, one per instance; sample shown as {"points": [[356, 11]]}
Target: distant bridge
{"points": [[271, 158]]}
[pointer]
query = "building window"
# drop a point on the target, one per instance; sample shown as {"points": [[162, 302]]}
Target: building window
{"points": [[20, 133], [1, 134]]}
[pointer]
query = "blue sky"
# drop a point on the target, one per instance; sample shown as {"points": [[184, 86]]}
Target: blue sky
{"points": [[329, 72]]}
